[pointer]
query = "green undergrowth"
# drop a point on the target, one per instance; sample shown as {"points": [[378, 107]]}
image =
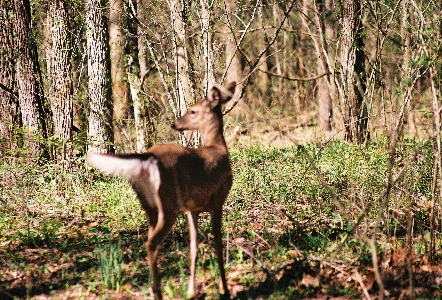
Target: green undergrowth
{"points": [[296, 225]]}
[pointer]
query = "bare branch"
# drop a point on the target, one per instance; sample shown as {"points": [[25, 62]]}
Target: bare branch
{"points": [[254, 66], [294, 78], [241, 38]]}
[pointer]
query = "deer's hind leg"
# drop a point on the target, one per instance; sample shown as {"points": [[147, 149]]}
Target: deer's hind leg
{"points": [[159, 227], [161, 214], [216, 218]]}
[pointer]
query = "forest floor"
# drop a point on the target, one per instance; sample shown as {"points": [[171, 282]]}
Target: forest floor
{"points": [[70, 268], [302, 221]]}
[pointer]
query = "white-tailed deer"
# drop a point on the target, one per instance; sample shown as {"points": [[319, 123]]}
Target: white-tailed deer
{"points": [[170, 178]]}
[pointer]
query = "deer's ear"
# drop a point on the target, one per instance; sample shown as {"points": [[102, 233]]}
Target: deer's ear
{"points": [[216, 96]]}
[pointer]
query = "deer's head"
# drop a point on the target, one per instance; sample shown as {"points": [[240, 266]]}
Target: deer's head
{"points": [[206, 112]]}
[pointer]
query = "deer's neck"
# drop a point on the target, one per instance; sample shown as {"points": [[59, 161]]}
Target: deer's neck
{"points": [[212, 135]]}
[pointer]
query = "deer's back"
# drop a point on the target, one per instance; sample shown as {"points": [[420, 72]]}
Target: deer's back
{"points": [[190, 179]]}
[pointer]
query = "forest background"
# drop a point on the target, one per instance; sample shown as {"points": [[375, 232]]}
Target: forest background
{"points": [[334, 130]]}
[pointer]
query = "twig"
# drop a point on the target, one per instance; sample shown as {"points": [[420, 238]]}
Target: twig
{"points": [[334, 266], [258, 262], [361, 283], [375, 262], [245, 80], [261, 238]]}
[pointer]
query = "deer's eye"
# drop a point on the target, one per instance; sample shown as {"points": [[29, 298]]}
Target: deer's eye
{"points": [[192, 112]]}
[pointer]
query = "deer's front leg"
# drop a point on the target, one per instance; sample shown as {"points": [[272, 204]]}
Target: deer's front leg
{"points": [[192, 218]]}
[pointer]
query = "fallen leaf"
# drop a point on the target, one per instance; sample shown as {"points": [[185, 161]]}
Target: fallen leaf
{"points": [[425, 268], [310, 281], [400, 256], [234, 276], [293, 253], [385, 263]]}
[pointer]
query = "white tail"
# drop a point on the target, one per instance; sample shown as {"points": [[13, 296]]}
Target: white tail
{"points": [[170, 178], [117, 166]]}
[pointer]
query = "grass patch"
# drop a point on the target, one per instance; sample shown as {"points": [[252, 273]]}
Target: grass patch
{"points": [[294, 224]]}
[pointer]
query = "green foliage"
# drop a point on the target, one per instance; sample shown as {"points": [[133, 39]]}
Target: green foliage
{"points": [[347, 291], [110, 264]]}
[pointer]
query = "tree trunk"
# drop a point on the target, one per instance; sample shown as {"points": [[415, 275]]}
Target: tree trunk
{"points": [[119, 85], [352, 79], [59, 72], [233, 62], [144, 126], [325, 107], [183, 79], [406, 66], [140, 124], [100, 92], [207, 45], [300, 92], [327, 92], [29, 98], [184, 82], [324, 84], [9, 112], [263, 80]]}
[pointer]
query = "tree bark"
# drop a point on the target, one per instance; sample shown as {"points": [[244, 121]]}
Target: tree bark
{"points": [[120, 94], [352, 78], [324, 84], [9, 112], [233, 62], [183, 79], [263, 80], [100, 93], [59, 72], [184, 82], [328, 91], [406, 66], [140, 124], [30, 97], [207, 45], [144, 127]]}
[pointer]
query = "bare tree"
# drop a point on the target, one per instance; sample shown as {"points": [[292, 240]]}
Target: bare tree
{"points": [[30, 93], [143, 128], [351, 81], [9, 114], [137, 72], [100, 92], [59, 71], [207, 44], [185, 84], [234, 67], [180, 51], [324, 84], [406, 64], [175, 72], [117, 43]]}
